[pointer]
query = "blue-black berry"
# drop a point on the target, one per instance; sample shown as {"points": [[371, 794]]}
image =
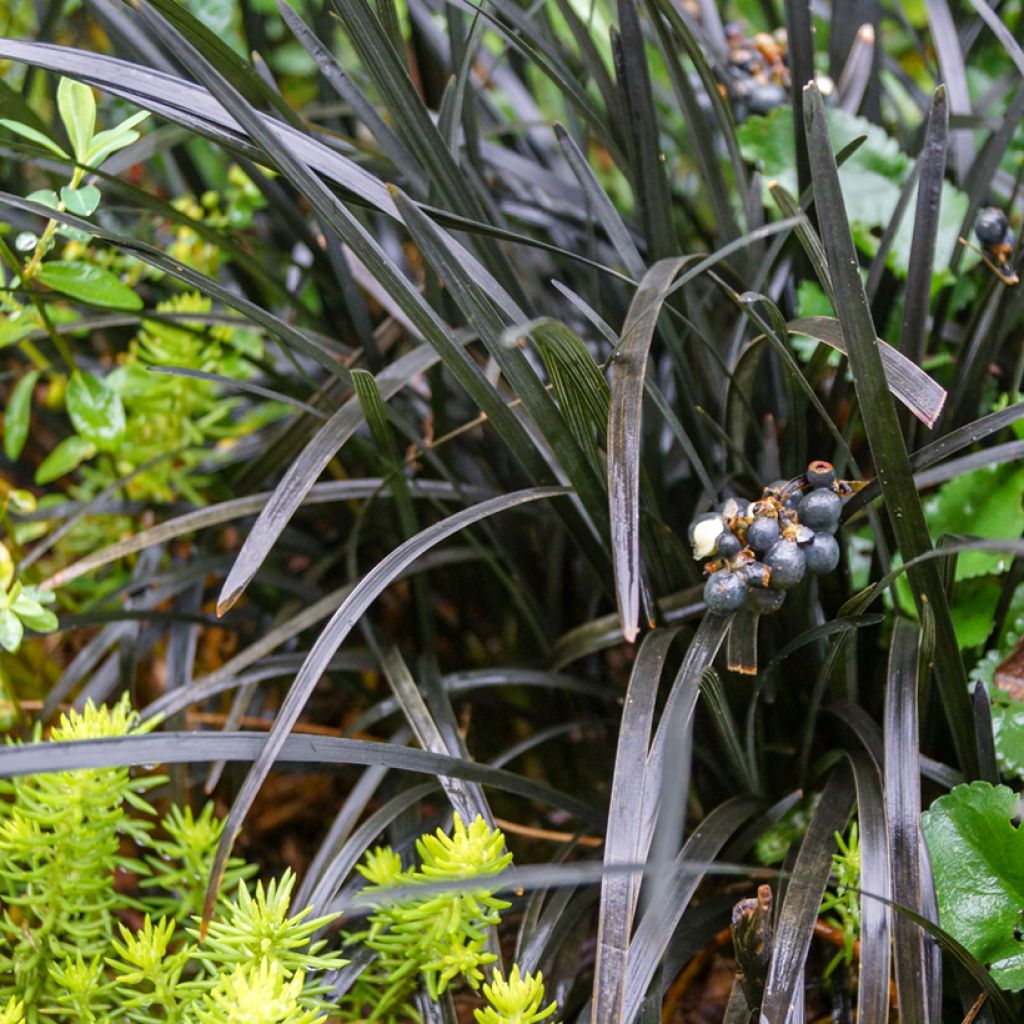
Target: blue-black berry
{"points": [[729, 545], [766, 97], [820, 510], [991, 227], [787, 563], [822, 554], [820, 473], [757, 576], [763, 533], [725, 592]]}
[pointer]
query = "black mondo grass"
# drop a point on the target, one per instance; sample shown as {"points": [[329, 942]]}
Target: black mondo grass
{"points": [[599, 421]]}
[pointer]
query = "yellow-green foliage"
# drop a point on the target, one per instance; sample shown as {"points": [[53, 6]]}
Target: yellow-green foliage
{"points": [[438, 937], [65, 954]]}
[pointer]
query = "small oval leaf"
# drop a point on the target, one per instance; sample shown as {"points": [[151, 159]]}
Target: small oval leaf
{"points": [[69, 454], [77, 106], [17, 414], [95, 410], [80, 201], [11, 630], [90, 284]]}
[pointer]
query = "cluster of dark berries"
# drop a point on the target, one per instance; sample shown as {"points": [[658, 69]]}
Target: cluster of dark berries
{"points": [[761, 549], [997, 241], [757, 71]]}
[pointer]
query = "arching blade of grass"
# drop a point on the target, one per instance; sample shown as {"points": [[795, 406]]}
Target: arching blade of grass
{"points": [[882, 429], [303, 472], [188, 747], [468, 800], [331, 638], [951, 64], [795, 924], [918, 292], [906, 380], [188, 104], [625, 436], [875, 880], [903, 803], [650, 185], [238, 71], [310, 345], [684, 875], [342, 84], [619, 892], [238, 508]]}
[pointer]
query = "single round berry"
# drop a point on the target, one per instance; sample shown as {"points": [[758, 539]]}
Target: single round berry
{"points": [[763, 533], [820, 473], [765, 98], [820, 510], [763, 601], [729, 545], [822, 553], [991, 226], [757, 576], [787, 563], [724, 592]]}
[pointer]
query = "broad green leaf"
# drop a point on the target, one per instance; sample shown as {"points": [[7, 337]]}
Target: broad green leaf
{"points": [[27, 132], [986, 503], [77, 106], [96, 410], [977, 854], [46, 196], [871, 178], [68, 455], [80, 201], [33, 614], [11, 630], [17, 414], [90, 284]]}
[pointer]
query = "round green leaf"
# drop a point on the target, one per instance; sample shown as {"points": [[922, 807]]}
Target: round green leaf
{"points": [[80, 201], [17, 413], [977, 852], [91, 284], [65, 457], [95, 410]]}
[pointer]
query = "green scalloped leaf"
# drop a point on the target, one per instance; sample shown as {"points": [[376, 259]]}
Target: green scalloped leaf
{"points": [[986, 503], [977, 856]]}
